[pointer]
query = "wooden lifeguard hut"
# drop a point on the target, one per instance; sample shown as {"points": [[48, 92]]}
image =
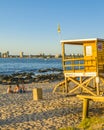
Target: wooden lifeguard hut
{"points": [[83, 72]]}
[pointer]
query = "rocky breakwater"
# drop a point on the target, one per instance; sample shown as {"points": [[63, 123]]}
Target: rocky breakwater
{"points": [[42, 75]]}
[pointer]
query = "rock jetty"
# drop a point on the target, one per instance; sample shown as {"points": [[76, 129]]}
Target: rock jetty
{"points": [[43, 75]]}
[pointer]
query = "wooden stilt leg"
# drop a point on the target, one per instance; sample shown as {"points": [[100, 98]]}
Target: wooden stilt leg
{"points": [[81, 83], [66, 85], [97, 85], [85, 108]]}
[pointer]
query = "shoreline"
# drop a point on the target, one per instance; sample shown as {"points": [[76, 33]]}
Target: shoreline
{"points": [[20, 111]]}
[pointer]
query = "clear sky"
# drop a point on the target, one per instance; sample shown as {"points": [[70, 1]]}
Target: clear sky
{"points": [[31, 25]]}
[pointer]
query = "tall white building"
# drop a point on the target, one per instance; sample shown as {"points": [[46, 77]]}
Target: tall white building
{"points": [[21, 54]]}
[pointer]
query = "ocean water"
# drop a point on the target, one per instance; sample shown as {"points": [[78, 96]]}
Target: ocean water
{"points": [[19, 65]]}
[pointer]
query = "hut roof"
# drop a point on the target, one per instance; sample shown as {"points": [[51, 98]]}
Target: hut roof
{"points": [[80, 41]]}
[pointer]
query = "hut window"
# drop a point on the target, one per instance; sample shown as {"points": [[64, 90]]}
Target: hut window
{"points": [[88, 50]]}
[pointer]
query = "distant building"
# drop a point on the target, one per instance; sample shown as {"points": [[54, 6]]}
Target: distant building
{"points": [[5, 54], [58, 56], [21, 55]]}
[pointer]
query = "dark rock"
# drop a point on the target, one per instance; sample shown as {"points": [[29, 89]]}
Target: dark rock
{"points": [[31, 77]]}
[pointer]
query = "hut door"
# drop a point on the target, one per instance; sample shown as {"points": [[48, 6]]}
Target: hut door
{"points": [[89, 57]]}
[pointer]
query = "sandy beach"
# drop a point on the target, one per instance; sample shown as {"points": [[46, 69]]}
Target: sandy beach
{"points": [[21, 112]]}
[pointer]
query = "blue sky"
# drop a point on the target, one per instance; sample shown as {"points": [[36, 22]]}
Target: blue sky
{"points": [[31, 25]]}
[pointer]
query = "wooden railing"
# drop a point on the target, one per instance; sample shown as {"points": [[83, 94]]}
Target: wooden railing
{"points": [[82, 64]]}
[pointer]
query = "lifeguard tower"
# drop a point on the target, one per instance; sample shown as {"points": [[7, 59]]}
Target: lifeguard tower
{"points": [[83, 72]]}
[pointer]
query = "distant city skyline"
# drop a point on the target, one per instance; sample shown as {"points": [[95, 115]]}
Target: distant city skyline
{"points": [[22, 55], [30, 26]]}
